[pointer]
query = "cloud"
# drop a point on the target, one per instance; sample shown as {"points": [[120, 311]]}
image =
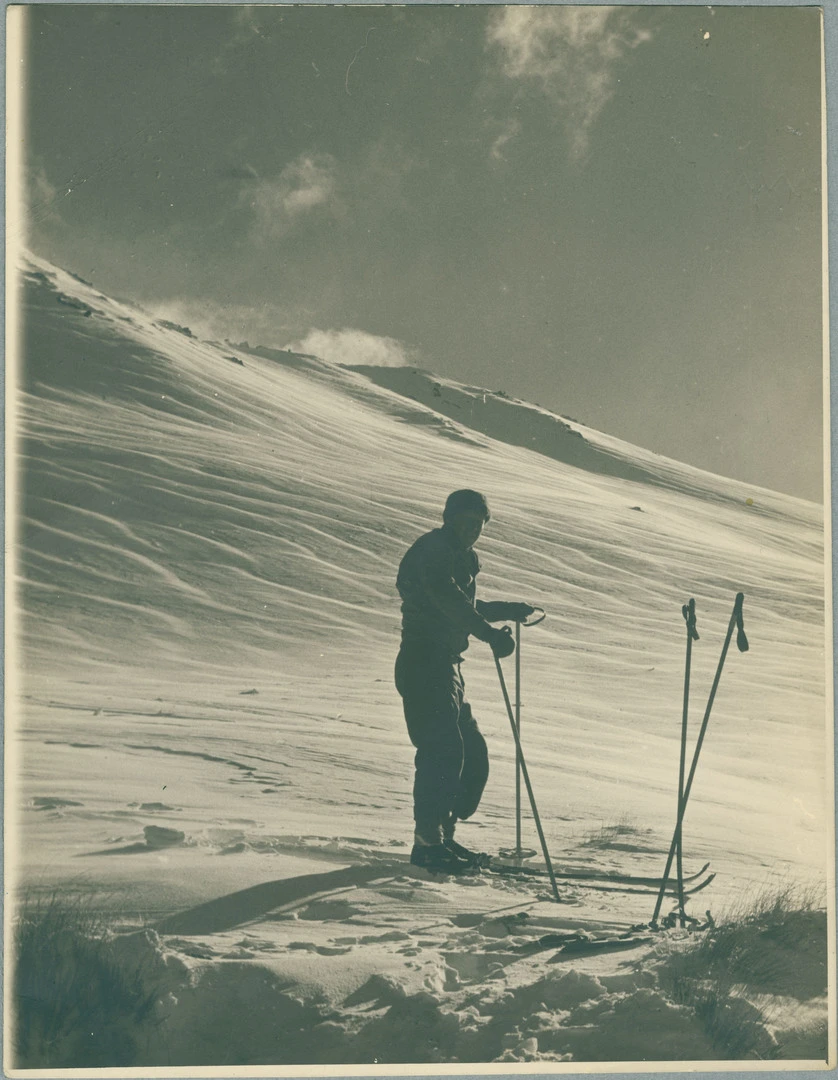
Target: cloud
{"points": [[249, 28], [42, 193], [571, 54], [509, 129], [355, 347], [248, 21], [215, 320], [238, 172], [307, 184], [34, 204]]}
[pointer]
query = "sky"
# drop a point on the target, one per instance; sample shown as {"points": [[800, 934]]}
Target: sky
{"points": [[614, 212]]}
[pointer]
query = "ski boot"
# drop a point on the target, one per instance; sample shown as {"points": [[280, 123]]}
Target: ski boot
{"points": [[439, 859], [477, 859]]}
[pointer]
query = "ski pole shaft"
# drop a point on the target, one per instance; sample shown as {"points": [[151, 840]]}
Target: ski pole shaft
{"points": [[735, 620], [526, 777], [518, 729], [688, 611]]}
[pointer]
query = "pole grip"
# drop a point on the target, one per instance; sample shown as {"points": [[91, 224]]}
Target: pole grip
{"points": [[688, 611], [741, 639]]}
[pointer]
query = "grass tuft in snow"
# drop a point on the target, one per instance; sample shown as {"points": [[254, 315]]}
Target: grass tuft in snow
{"points": [[741, 974], [622, 835], [75, 1003]]}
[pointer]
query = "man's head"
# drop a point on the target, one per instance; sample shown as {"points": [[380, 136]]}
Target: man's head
{"points": [[466, 512]]}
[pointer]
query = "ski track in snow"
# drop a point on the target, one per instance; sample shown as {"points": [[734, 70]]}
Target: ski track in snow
{"points": [[206, 555]]}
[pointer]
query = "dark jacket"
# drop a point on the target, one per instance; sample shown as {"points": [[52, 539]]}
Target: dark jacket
{"points": [[437, 584]]}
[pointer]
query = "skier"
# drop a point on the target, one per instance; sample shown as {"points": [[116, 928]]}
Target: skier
{"points": [[436, 582]]}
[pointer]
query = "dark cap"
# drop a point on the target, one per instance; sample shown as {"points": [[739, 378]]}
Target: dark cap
{"points": [[465, 501]]}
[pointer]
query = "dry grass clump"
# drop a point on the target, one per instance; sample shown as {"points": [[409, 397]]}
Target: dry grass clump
{"points": [[771, 947], [622, 835], [74, 1003]]}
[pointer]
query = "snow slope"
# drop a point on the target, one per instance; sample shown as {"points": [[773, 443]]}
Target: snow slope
{"points": [[206, 545]]}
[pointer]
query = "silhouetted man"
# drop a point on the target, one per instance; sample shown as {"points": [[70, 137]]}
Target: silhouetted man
{"points": [[436, 582]]}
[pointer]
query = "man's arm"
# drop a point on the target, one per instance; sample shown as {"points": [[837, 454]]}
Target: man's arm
{"points": [[440, 586]]}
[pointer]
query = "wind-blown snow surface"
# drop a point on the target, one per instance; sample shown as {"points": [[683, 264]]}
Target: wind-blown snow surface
{"points": [[206, 551]]}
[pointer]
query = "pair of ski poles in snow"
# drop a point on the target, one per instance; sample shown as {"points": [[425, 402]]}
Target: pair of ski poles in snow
{"points": [[685, 785], [520, 763], [684, 782]]}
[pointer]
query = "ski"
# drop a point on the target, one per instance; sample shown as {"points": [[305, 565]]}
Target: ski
{"points": [[584, 947], [588, 875], [577, 943], [601, 881], [598, 884], [640, 890]]}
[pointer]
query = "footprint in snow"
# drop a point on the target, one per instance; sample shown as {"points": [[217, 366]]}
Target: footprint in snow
{"points": [[255, 945], [156, 838], [53, 802], [390, 935], [331, 910], [192, 948], [322, 950], [235, 849]]}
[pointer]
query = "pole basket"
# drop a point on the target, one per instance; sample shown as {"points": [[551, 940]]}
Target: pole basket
{"points": [[517, 853]]}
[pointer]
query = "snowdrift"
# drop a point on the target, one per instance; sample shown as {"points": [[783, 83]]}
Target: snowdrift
{"points": [[204, 724]]}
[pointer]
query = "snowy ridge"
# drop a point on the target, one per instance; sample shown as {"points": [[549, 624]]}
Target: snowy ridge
{"points": [[520, 423], [206, 553]]}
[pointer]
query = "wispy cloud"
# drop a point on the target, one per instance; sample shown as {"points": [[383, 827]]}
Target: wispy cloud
{"points": [[219, 320], [37, 200], [306, 183], [355, 347], [249, 27], [508, 130], [570, 54], [277, 203], [247, 22], [238, 172], [42, 192]]}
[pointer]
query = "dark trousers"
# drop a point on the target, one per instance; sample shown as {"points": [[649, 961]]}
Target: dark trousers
{"points": [[452, 763]]}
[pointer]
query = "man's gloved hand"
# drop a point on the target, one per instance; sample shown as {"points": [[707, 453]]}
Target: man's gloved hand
{"points": [[518, 612], [504, 611], [502, 643]]}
